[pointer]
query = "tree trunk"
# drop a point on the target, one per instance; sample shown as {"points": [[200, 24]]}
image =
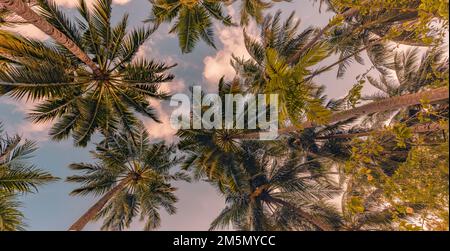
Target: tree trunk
{"points": [[389, 104], [420, 128], [310, 218], [23, 10], [95, 209]]}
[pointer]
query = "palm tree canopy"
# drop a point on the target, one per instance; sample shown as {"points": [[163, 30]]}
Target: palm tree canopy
{"points": [[146, 169], [402, 22], [16, 173], [194, 18], [80, 101], [275, 187], [407, 72], [269, 71], [17, 176]]}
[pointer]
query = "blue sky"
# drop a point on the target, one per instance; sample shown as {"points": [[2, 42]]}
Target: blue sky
{"points": [[53, 209]]}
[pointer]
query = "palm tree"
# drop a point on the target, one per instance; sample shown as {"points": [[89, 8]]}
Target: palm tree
{"points": [[218, 157], [379, 167], [410, 73], [23, 10], [406, 18], [407, 74], [132, 178], [268, 70], [83, 102], [433, 96], [11, 218], [376, 29], [193, 19], [281, 37], [211, 154], [276, 191], [17, 176]]}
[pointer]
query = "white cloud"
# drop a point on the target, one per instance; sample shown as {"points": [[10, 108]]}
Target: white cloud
{"points": [[173, 87], [163, 130], [27, 129], [218, 65]]}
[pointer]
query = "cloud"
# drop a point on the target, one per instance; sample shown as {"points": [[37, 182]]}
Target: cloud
{"points": [[25, 128], [146, 51], [232, 39], [173, 87], [36, 132], [163, 130]]}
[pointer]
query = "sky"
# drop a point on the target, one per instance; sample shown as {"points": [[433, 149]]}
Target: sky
{"points": [[53, 209]]}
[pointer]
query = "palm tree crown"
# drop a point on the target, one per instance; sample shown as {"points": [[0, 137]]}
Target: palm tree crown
{"points": [[139, 174], [277, 190], [194, 17], [269, 71]]}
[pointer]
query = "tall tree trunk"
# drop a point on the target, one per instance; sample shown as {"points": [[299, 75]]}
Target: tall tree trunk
{"points": [[93, 211], [419, 128], [389, 104], [23, 10], [310, 218]]}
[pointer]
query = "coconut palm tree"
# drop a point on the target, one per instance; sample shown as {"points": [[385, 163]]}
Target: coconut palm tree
{"points": [[8, 19], [81, 101], [410, 73], [217, 156], [276, 191], [210, 153], [17, 176], [282, 37], [379, 28], [268, 70], [193, 19], [24, 11], [406, 18], [11, 218], [133, 179]]}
